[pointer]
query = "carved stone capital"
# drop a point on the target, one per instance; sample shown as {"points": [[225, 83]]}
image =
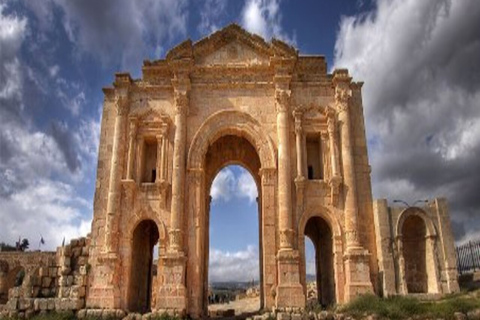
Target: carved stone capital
{"points": [[282, 100], [181, 102], [342, 97]]}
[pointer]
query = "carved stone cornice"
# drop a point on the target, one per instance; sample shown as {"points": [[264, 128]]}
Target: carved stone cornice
{"points": [[282, 100]]}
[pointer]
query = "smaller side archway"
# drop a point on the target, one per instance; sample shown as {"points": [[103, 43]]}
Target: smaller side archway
{"points": [[325, 232], [416, 241], [144, 238]]}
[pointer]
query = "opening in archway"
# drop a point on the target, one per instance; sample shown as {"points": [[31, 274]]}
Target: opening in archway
{"points": [[310, 272], [145, 237], [318, 231], [414, 253], [233, 257]]}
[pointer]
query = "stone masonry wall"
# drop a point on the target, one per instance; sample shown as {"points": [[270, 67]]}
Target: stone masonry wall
{"points": [[53, 280]]}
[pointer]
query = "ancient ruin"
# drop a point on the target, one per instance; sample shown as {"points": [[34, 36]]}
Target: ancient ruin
{"points": [[233, 98]]}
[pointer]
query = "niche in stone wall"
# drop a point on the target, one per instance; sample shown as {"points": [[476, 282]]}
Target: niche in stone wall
{"points": [[149, 160], [314, 157]]}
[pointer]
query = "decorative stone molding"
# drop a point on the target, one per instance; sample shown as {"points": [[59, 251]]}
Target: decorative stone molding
{"points": [[342, 98]]}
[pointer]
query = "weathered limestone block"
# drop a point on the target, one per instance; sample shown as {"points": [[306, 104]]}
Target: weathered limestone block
{"points": [[12, 304], [25, 303]]}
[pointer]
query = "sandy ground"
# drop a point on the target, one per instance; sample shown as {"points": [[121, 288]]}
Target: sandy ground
{"points": [[247, 305]]}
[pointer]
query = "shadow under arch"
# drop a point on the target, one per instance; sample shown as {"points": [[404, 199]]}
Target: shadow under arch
{"points": [[322, 227], [416, 241], [236, 123], [144, 235]]}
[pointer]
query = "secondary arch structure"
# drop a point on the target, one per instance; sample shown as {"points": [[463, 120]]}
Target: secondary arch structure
{"points": [[234, 98]]}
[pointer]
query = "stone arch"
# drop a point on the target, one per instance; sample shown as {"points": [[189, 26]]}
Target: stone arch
{"points": [[411, 211], [144, 236], [231, 122], [215, 130], [416, 242], [331, 220], [324, 213]]}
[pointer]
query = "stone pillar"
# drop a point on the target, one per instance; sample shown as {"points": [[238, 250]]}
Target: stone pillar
{"points": [[299, 144], [268, 211], [289, 290], [172, 266], [332, 142], [116, 166], [132, 133], [159, 171], [178, 174], [282, 98], [357, 267]]}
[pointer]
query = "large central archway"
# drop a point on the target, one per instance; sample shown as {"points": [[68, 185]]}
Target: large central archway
{"points": [[226, 138]]}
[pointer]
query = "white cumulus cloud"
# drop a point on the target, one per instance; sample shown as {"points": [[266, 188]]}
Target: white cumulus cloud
{"points": [[234, 266], [264, 17], [419, 61], [227, 185]]}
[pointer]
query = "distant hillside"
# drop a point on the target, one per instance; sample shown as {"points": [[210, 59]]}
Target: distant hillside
{"points": [[311, 277]]}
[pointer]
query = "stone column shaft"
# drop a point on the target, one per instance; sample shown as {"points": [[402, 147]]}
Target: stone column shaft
{"points": [[351, 206], [299, 146], [115, 176], [284, 173], [131, 148], [159, 170], [332, 141], [163, 159], [178, 174]]}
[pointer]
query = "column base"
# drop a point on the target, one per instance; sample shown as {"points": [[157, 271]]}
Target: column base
{"points": [[357, 273], [104, 292], [172, 293], [289, 290]]}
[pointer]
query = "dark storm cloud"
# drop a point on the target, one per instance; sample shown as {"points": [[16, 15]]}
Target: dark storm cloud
{"points": [[419, 61], [119, 31], [66, 143]]}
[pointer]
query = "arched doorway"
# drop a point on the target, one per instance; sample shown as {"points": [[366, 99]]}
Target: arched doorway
{"points": [[145, 237], [414, 254], [320, 233], [229, 137], [234, 255], [226, 151]]}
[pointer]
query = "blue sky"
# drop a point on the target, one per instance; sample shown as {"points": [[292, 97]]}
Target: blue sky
{"points": [[419, 61]]}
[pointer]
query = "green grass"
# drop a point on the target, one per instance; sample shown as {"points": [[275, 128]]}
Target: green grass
{"points": [[400, 307]]}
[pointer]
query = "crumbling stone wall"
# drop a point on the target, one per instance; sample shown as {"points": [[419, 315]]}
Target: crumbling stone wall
{"points": [[52, 281]]}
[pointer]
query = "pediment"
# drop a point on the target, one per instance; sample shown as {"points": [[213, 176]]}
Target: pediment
{"points": [[234, 53], [232, 45]]}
